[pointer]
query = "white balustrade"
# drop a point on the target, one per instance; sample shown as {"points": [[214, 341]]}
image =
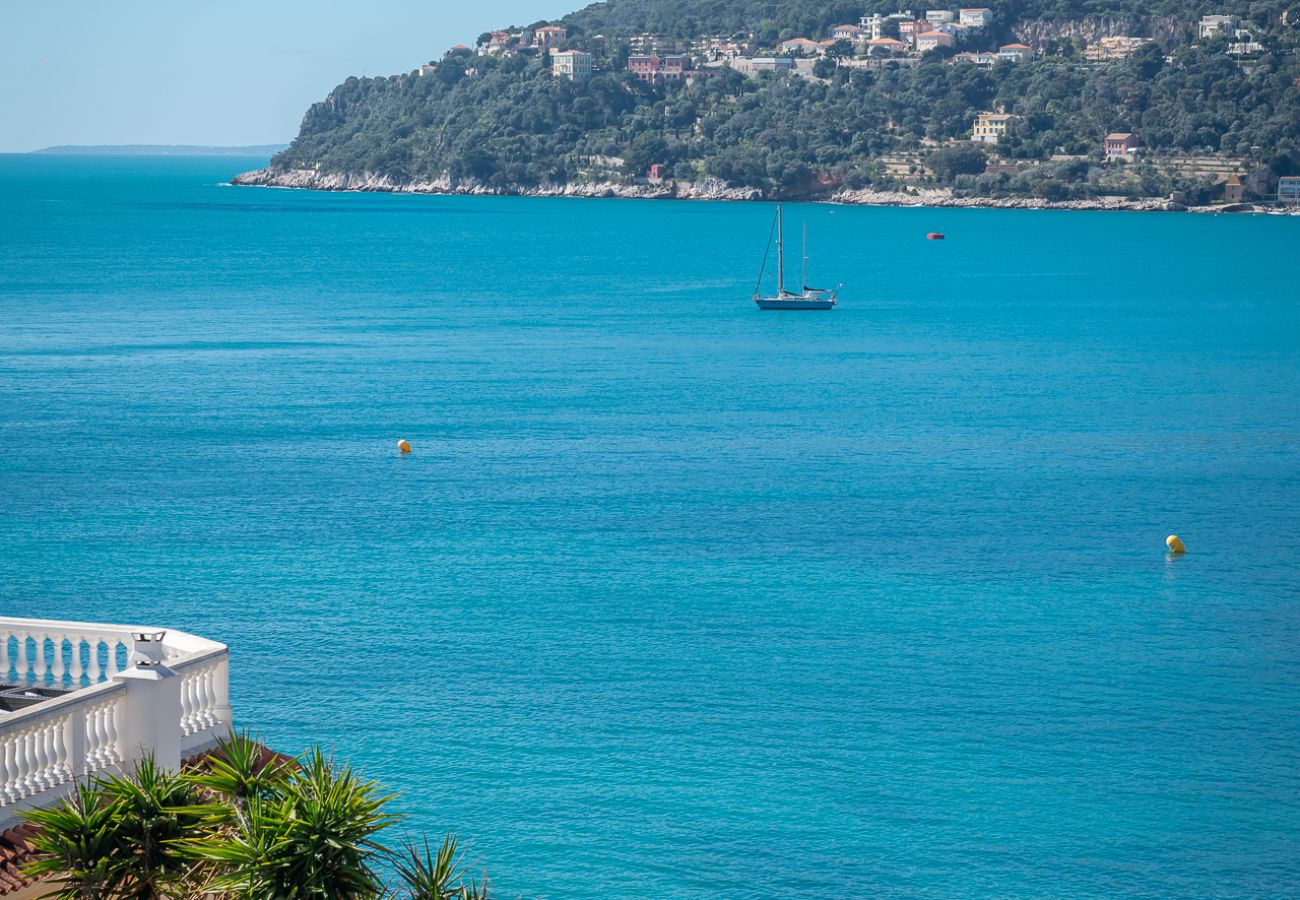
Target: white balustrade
{"points": [[130, 691]]}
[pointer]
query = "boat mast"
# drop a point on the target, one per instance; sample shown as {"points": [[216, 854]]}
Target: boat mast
{"points": [[780, 252], [803, 285]]}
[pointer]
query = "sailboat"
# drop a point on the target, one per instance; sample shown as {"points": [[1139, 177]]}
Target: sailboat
{"points": [[809, 297]]}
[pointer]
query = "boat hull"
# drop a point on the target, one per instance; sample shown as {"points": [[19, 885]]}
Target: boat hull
{"points": [[792, 303]]}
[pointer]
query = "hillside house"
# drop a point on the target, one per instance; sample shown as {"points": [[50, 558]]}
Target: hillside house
{"points": [[1233, 190], [771, 64], [1014, 52], [549, 36], [497, 44], [977, 59], [805, 47], [886, 45], [1244, 43], [852, 33], [911, 29], [655, 69], [572, 64], [1213, 26], [939, 16], [1288, 189], [933, 40], [1121, 146], [977, 17], [990, 127]]}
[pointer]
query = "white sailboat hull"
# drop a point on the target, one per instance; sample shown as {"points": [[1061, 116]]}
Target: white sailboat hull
{"points": [[795, 302]]}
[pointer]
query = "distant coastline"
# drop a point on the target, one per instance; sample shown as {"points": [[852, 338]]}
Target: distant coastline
{"points": [[267, 150], [710, 189]]}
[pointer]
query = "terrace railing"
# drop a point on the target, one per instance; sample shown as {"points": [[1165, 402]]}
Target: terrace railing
{"points": [[78, 699]]}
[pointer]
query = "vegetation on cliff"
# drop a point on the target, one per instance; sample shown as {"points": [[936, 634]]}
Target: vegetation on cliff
{"points": [[504, 120]]}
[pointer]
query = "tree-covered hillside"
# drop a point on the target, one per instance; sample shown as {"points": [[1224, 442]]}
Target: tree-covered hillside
{"points": [[505, 120]]}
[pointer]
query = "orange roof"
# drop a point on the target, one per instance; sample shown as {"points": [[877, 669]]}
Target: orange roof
{"points": [[1015, 47], [1120, 136], [1234, 181]]}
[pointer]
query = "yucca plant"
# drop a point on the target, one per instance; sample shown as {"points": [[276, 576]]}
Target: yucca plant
{"points": [[427, 874], [79, 847], [310, 837], [238, 769], [117, 839], [246, 825]]}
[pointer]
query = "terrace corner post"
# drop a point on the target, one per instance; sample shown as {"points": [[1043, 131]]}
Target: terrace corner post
{"points": [[152, 709]]}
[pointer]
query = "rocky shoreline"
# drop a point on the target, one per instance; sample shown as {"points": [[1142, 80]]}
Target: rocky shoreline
{"points": [[708, 189]]}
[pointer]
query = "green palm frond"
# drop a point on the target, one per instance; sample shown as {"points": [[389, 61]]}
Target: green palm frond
{"points": [[78, 846], [239, 768], [117, 839], [313, 837]]}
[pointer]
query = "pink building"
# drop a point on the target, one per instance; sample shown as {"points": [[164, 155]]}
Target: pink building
{"points": [[659, 68]]}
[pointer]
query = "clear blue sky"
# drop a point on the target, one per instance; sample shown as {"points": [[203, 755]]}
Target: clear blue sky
{"points": [[220, 72]]}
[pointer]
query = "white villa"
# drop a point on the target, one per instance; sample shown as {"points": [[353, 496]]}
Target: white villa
{"points": [[975, 17], [1213, 26], [572, 64]]}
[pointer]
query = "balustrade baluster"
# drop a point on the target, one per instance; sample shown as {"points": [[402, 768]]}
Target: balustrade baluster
{"points": [[96, 671], [5, 662], [28, 743], [60, 669], [76, 669], [111, 745], [94, 737], [9, 769], [58, 750], [39, 668], [188, 705], [41, 773], [23, 668], [210, 697], [113, 666]]}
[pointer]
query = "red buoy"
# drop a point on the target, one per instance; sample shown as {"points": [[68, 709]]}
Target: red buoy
{"points": [[934, 236]]}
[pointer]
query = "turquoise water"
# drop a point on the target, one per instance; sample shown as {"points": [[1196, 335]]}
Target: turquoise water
{"points": [[675, 598]]}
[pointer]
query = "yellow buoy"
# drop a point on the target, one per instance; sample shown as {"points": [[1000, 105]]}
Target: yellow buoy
{"points": [[404, 446], [1175, 544]]}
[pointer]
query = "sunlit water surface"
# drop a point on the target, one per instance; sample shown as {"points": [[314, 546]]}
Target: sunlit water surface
{"points": [[675, 598]]}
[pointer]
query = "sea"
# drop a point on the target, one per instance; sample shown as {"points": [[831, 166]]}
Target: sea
{"points": [[675, 598]]}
